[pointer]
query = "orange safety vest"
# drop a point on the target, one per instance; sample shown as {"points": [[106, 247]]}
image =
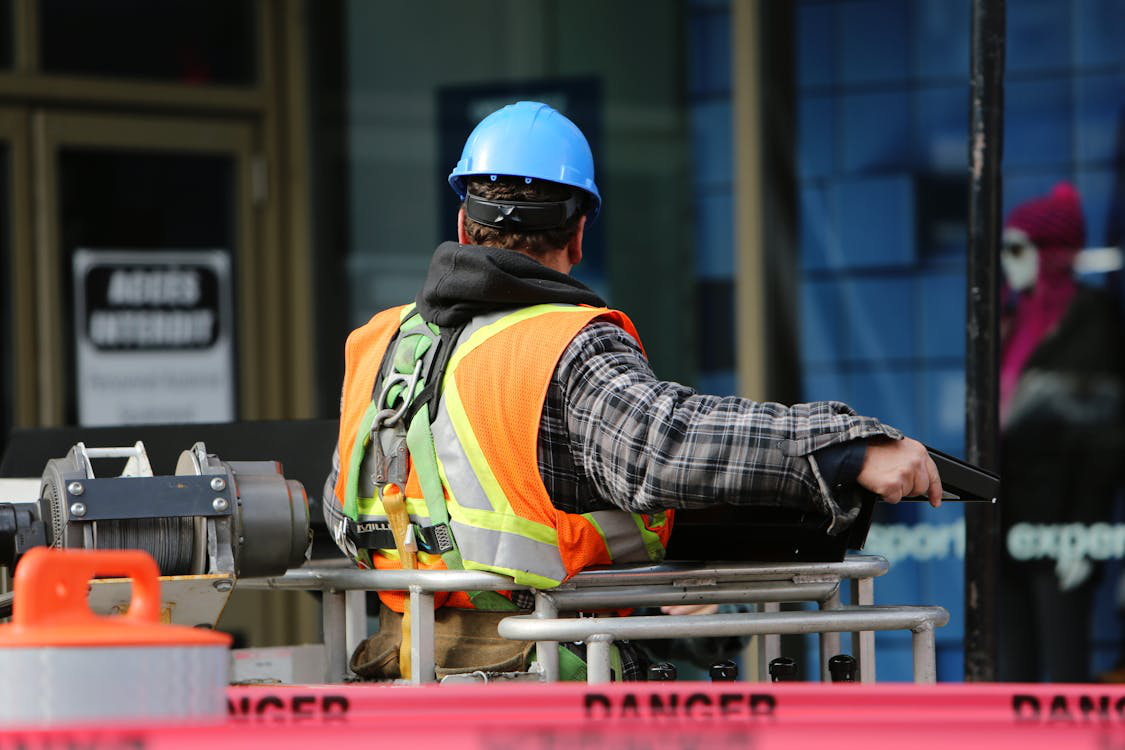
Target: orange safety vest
{"points": [[485, 434]]}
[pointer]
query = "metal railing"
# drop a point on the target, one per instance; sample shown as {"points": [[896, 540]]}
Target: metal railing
{"points": [[599, 632], [765, 584], [335, 582]]}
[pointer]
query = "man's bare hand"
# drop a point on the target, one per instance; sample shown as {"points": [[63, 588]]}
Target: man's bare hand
{"points": [[690, 609], [894, 469]]}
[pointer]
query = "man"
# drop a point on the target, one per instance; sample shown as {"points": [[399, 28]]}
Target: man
{"points": [[540, 442]]}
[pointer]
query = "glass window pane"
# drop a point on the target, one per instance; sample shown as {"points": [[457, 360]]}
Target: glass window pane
{"points": [[880, 164], [192, 42], [7, 54]]}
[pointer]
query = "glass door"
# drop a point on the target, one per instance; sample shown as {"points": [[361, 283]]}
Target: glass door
{"points": [[16, 380], [148, 245], [7, 316]]}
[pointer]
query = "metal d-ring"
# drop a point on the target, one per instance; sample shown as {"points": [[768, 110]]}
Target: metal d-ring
{"points": [[382, 418]]}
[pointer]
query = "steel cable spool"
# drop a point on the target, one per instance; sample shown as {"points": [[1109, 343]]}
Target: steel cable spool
{"points": [[211, 516], [170, 541]]}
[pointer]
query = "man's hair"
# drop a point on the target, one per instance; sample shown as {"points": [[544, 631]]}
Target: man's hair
{"points": [[505, 188]]}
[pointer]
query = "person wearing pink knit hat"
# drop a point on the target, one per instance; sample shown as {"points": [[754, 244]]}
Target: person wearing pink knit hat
{"points": [[1062, 390]]}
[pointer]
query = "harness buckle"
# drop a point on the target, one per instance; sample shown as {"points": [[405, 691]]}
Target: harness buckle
{"points": [[393, 469], [397, 464], [443, 539], [378, 458]]}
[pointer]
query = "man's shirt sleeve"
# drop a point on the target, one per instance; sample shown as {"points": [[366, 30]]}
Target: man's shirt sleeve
{"points": [[840, 464], [645, 444]]}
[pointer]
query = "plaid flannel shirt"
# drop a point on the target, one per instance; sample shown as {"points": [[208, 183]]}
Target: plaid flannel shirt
{"points": [[614, 436]]}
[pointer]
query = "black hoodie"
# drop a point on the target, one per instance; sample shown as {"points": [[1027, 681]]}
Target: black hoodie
{"points": [[466, 280]]}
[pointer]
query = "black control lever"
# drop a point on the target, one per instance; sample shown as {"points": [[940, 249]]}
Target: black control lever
{"points": [[963, 482]]}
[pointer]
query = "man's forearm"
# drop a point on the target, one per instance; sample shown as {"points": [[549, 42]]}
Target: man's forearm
{"points": [[648, 444]]}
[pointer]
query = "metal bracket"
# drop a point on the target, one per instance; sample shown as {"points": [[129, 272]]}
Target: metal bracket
{"points": [[219, 554], [117, 498]]}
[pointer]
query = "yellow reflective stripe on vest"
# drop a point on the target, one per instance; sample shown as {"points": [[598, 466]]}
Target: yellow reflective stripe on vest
{"points": [[519, 576], [453, 461], [528, 561], [652, 542], [618, 530], [425, 558], [481, 335]]}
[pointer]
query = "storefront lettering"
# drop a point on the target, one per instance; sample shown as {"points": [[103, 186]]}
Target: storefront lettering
{"points": [[1099, 541]]}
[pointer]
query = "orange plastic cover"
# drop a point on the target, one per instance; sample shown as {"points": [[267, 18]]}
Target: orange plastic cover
{"points": [[50, 606]]}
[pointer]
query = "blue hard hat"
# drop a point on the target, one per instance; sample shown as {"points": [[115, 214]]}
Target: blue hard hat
{"points": [[530, 140]]}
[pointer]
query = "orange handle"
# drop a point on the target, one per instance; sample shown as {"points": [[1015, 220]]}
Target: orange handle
{"points": [[52, 584]]}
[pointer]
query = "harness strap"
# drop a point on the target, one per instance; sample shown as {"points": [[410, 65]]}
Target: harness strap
{"points": [[395, 505], [430, 395], [420, 440], [378, 535], [423, 389]]}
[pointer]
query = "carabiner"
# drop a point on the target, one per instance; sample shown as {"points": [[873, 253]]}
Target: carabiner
{"points": [[407, 397]]}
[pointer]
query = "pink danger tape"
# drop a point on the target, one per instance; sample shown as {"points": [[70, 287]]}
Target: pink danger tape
{"points": [[639, 716]]}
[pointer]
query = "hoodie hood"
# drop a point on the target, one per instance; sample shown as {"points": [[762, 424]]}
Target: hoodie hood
{"points": [[465, 281]]}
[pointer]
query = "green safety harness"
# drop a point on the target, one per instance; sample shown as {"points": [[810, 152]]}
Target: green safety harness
{"points": [[396, 427]]}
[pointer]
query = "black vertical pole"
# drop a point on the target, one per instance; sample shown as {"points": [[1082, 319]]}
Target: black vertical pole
{"points": [[982, 523]]}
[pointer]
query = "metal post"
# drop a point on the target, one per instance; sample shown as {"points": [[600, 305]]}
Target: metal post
{"points": [[335, 639], [829, 642], [597, 659], [421, 635], [986, 127], [547, 652], [863, 641], [769, 645], [925, 658], [355, 620]]}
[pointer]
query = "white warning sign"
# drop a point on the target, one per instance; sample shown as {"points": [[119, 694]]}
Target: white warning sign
{"points": [[153, 336]]}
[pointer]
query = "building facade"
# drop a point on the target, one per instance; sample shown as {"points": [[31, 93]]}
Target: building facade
{"points": [[785, 192]]}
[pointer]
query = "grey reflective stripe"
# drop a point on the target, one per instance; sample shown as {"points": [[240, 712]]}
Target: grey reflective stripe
{"points": [[511, 551], [462, 480], [459, 472], [622, 537], [480, 322], [466, 487]]}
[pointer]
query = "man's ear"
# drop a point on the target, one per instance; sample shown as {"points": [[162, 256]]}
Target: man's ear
{"points": [[574, 247], [462, 235]]}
